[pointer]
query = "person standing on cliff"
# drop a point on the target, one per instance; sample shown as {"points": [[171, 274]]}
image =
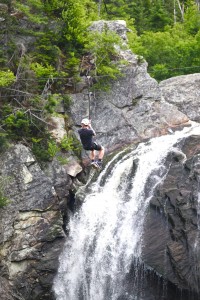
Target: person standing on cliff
{"points": [[86, 134]]}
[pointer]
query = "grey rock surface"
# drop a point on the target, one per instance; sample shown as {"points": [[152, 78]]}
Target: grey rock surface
{"points": [[171, 239], [132, 110], [31, 235], [184, 92]]}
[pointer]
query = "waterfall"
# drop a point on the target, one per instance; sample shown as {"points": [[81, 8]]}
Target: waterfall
{"points": [[105, 236]]}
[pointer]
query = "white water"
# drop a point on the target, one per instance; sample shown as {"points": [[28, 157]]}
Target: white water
{"points": [[106, 235]]}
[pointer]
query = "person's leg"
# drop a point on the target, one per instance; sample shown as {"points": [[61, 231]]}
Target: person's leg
{"points": [[100, 157], [92, 155], [101, 153]]}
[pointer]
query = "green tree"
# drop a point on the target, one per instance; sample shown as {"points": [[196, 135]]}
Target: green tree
{"points": [[177, 52], [192, 19], [140, 13], [158, 16]]}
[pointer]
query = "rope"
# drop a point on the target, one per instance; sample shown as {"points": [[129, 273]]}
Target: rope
{"points": [[89, 96], [47, 87]]}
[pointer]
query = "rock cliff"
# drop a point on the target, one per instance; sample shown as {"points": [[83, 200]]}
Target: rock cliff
{"points": [[171, 239], [31, 234], [133, 109]]}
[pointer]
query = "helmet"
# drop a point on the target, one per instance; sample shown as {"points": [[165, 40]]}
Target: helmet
{"points": [[85, 122]]}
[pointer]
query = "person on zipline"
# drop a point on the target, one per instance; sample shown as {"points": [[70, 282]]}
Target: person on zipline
{"points": [[86, 134]]}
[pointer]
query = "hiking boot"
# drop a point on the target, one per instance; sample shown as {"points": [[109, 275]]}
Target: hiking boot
{"points": [[99, 163], [94, 164]]}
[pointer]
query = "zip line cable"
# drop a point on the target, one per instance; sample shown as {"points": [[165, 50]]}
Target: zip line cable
{"points": [[96, 76], [183, 68], [88, 79]]}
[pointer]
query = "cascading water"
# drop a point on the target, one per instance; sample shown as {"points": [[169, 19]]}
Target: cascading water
{"points": [[105, 236]]}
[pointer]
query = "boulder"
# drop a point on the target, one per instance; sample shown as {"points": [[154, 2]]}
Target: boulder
{"points": [[183, 92]]}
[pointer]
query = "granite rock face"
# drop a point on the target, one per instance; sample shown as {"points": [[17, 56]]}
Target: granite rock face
{"points": [[31, 227], [183, 92], [171, 238]]}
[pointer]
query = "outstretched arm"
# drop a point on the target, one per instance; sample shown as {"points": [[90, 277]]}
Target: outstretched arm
{"points": [[90, 126]]}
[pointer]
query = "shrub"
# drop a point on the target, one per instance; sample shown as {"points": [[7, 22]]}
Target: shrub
{"points": [[17, 124], [52, 148], [71, 143], [6, 78], [40, 149], [52, 102], [67, 143]]}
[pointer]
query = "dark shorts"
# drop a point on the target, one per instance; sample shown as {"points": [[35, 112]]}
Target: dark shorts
{"points": [[95, 146]]}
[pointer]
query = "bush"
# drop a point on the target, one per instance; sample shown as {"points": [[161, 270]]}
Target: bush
{"points": [[52, 148], [70, 143], [6, 78], [17, 125], [67, 143], [40, 149]]}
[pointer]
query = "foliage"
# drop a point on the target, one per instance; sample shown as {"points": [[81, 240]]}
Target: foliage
{"points": [[45, 149], [76, 23], [159, 71], [70, 143], [28, 7], [52, 102], [40, 149], [52, 148], [43, 71], [23, 125], [72, 63], [177, 52], [17, 125], [145, 14], [39, 70], [4, 200], [103, 48], [6, 78], [192, 19], [62, 160], [67, 143], [67, 100], [114, 9], [158, 17]]}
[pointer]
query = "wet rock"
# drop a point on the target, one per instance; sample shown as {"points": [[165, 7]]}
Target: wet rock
{"points": [[171, 239]]}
